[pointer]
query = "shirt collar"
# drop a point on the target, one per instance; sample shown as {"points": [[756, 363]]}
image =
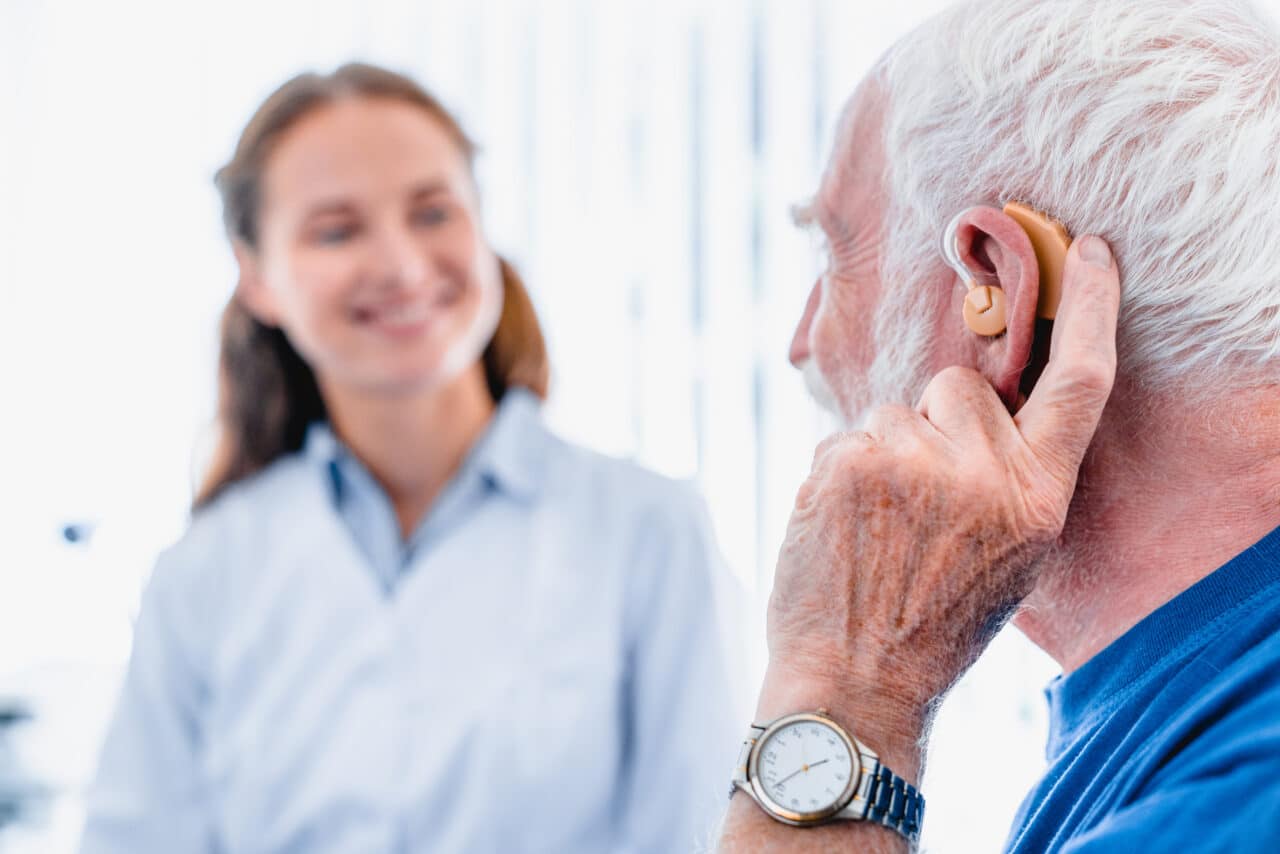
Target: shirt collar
{"points": [[509, 455], [512, 450]]}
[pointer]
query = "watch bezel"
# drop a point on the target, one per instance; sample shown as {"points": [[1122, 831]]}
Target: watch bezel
{"points": [[802, 818]]}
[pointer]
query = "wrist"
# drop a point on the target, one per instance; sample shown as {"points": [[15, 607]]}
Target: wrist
{"points": [[888, 722]]}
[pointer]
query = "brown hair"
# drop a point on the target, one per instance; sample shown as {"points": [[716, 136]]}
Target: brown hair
{"points": [[267, 394]]}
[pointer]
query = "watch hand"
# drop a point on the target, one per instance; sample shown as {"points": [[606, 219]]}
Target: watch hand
{"points": [[801, 769], [792, 774]]}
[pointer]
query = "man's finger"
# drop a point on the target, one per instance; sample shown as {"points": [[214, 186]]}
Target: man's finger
{"points": [[961, 404], [1063, 411], [838, 442]]}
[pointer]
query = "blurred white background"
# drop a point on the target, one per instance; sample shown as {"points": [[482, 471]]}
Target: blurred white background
{"points": [[639, 159]]}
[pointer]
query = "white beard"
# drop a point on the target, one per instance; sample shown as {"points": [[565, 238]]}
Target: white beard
{"points": [[896, 376], [819, 389]]}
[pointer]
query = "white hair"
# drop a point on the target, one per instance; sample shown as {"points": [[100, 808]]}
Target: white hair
{"points": [[1155, 124]]}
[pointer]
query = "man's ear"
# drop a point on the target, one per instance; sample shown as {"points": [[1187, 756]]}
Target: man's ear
{"points": [[251, 289], [992, 242]]}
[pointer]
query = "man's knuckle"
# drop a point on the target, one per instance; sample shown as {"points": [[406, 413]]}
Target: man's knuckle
{"points": [[844, 451], [828, 443], [891, 421], [824, 448], [1094, 377], [1044, 517], [956, 379]]}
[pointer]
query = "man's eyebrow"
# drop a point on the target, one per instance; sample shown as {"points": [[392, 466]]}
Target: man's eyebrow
{"points": [[817, 219], [804, 215]]}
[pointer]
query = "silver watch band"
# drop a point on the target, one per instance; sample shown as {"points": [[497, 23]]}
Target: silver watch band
{"points": [[740, 770]]}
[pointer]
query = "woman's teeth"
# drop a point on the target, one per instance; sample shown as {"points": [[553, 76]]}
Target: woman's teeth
{"points": [[414, 312]]}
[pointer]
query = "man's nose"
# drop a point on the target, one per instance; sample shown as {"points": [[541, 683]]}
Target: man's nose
{"points": [[800, 341]]}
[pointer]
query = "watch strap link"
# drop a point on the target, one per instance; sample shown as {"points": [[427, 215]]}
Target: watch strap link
{"points": [[894, 803], [740, 771]]}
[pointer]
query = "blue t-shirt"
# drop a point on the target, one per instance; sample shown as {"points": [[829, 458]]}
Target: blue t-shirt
{"points": [[1169, 739]]}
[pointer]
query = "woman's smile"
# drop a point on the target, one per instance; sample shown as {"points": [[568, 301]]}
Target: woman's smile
{"points": [[407, 317]]}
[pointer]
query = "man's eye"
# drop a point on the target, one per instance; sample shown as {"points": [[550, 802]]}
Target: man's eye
{"points": [[431, 216]]}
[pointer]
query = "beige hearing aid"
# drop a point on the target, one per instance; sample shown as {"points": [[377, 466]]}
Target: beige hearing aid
{"points": [[984, 305]]}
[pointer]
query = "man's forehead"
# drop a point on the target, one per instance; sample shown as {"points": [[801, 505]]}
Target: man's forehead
{"points": [[855, 169]]}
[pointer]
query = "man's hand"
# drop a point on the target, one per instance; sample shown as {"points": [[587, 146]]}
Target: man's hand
{"points": [[912, 542]]}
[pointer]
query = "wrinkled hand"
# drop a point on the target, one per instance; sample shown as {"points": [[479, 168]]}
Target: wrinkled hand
{"points": [[912, 542]]}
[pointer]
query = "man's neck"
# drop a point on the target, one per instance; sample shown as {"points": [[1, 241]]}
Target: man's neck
{"points": [[1162, 502], [412, 444]]}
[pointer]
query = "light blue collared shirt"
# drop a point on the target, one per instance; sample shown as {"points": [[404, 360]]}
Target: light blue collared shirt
{"points": [[539, 667]]}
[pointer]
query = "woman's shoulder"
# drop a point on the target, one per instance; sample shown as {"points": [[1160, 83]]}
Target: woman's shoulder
{"points": [[622, 479], [239, 517], [250, 500], [196, 583], [656, 531], [630, 508], [529, 449]]}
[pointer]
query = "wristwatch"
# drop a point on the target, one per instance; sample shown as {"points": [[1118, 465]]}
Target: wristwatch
{"points": [[805, 769]]}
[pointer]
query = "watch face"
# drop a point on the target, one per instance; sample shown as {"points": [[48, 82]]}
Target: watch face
{"points": [[804, 768]]}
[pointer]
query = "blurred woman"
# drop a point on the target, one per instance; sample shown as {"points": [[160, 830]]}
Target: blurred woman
{"points": [[405, 616]]}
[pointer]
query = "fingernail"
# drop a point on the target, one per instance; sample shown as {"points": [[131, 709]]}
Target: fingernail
{"points": [[1094, 251]]}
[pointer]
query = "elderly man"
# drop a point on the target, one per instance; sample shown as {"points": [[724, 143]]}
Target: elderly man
{"points": [[1118, 495]]}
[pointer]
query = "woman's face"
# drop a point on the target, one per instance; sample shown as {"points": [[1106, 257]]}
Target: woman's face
{"points": [[370, 255]]}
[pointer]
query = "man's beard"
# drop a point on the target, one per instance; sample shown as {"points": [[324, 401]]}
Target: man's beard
{"points": [[897, 375], [818, 388]]}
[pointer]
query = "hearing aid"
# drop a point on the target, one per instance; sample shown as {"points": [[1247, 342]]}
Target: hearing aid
{"points": [[984, 304]]}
